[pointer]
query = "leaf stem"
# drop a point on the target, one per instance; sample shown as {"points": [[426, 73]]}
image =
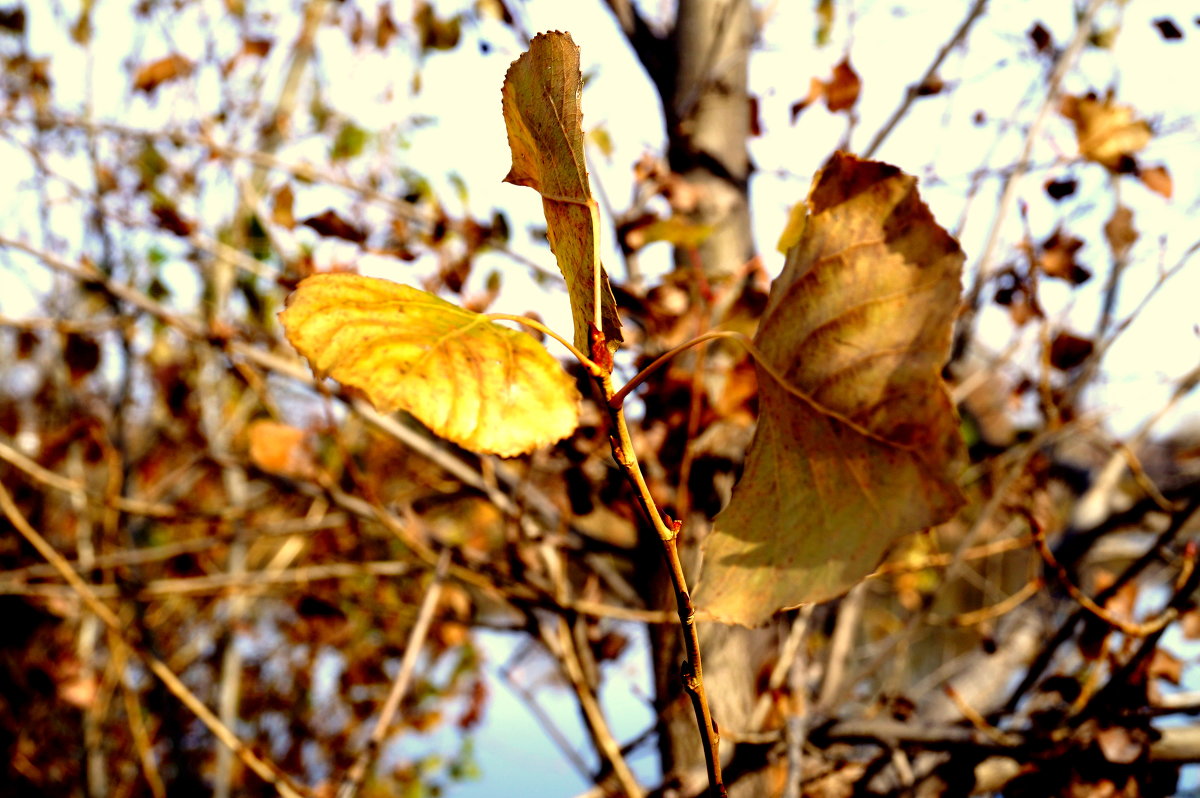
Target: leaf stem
{"points": [[587, 362], [692, 672], [618, 398], [760, 360]]}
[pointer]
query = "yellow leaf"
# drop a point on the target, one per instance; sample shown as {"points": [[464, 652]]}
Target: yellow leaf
{"points": [[541, 103], [860, 443], [479, 384], [792, 231]]}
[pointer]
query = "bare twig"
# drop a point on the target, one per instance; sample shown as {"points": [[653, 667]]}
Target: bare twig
{"points": [[1143, 629], [1065, 61], [668, 532], [914, 90], [416, 640], [562, 644]]}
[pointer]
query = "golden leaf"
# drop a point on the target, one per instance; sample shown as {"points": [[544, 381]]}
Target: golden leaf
{"points": [[1107, 133], [472, 381]]}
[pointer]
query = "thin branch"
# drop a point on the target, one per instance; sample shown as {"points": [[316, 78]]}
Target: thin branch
{"points": [[412, 649], [1035, 670], [547, 723], [1143, 629], [561, 643], [913, 91], [668, 532], [1065, 61]]}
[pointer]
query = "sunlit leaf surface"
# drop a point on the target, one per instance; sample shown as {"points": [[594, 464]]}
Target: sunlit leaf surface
{"points": [[472, 381], [864, 446]]}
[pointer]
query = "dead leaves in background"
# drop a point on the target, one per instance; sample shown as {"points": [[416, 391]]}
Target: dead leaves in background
{"points": [[840, 92], [152, 75], [862, 444], [1056, 258]]}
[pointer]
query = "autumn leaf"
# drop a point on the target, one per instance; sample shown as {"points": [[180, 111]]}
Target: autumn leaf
{"points": [[859, 445], [541, 103], [472, 381], [1120, 232], [840, 92], [1158, 180], [1057, 258], [281, 449], [152, 75], [329, 224], [1107, 133]]}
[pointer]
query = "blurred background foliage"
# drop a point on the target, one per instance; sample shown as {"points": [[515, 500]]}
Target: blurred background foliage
{"points": [[175, 167]]}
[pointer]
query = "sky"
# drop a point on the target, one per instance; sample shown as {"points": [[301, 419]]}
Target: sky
{"points": [[891, 46]]}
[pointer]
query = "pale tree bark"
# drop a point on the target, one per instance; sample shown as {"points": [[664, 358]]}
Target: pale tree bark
{"points": [[700, 68]]}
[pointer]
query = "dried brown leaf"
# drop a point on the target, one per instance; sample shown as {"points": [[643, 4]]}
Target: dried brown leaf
{"points": [[861, 446], [541, 102]]}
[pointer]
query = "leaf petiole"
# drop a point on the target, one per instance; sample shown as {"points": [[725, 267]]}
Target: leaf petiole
{"points": [[533, 324], [618, 398]]}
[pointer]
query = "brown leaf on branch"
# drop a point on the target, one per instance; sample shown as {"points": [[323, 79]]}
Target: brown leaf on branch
{"points": [[150, 76], [541, 103], [1120, 232], [281, 449], [1107, 133], [861, 445], [329, 224], [840, 92], [1067, 351], [484, 386], [1057, 258], [1158, 180]]}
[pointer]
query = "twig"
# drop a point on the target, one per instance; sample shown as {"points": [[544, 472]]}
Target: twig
{"points": [[941, 560], [848, 617], [137, 723], [1034, 672], [547, 723], [1144, 629], [913, 91], [412, 649], [789, 654], [1053, 86], [984, 614], [668, 532], [561, 643], [265, 770]]}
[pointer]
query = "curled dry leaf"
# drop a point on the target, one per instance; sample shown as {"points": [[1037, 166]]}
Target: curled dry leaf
{"points": [[152, 75], [861, 445], [1158, 180], [840, 92], [1057, 258], [1120, 232], [479, 384], [281, 449], [1107, 133], [542, 113]]}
